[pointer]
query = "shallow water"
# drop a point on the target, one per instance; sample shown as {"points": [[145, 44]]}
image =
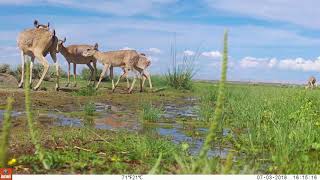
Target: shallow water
{"points": [[110, 118]]}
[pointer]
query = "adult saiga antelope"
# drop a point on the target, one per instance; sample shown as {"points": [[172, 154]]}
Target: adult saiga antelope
{"points": [[140, 66], [37, 43], [311, 82], [73, 54], [126, 59]]}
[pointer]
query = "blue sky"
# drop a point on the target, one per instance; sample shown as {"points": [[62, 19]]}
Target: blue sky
{"points": [[270, 40]]}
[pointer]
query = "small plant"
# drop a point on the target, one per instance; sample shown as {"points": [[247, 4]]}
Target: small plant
{"points": [[4, 141], [86, 74], [33, 131], [89, 90], [207, 101], [179, 76], [37, 71], [150, 113], [5, 68], [89, 109]]}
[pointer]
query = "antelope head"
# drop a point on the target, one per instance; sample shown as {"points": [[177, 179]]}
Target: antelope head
{"points": [[60, 44], [144, 61], [37, 25], [90, 51]]}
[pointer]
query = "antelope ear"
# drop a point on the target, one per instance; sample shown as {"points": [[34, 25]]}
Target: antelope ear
{"points": [[96, 46], [48, 24], [142, 54], [35, 23], [64, 40], [54, 32]]}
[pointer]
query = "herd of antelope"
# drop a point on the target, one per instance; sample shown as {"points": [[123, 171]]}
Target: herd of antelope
{"points": [[38, 41]]}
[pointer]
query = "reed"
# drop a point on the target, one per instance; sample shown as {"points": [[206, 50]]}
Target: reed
{"points": [[32, 129], [220, 101], [4, 141]]}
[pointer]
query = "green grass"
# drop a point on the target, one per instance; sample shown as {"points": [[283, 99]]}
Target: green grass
{"points": [[88, 90], [158, 81], [207, 102], [277, 127], [89, 108], [5, 133], [150, 113], [202, 163], [103, 152], [180, 74], [272, 130], [85, 74], [34, 132]]}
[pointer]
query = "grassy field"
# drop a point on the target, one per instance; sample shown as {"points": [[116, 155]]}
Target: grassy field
{"points": [[190, 127], [269, 130]]}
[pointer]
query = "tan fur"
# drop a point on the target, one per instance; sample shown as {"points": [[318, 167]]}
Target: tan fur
{"points": [[311, 82], [126, 59], [73, 54], [139, 65], [37, 43]]}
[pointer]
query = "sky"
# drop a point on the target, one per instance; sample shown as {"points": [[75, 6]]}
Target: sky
{"points": [[269, 40]]}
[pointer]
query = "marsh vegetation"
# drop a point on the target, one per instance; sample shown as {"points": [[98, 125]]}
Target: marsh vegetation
{"points": [[209, 128]]}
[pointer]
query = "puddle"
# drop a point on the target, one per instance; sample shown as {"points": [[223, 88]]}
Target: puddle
{"points": [[13, 114], [101, 107], [179, 137], [172, 111], [114, 121], [116, 118], [61, 120]]}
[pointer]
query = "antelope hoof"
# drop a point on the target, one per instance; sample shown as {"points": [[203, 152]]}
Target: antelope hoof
{"points": [[57, 88], [75, 85], [130, 92], [67, 85], [35, 88], [20, 85]]}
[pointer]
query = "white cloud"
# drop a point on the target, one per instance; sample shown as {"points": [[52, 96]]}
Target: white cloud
{"points": [[212, 54], [119, 7], [153, 59], [127, 48], [249, 62], [272, 63], [189, 53], [253, 62], [300, 64], [154, 50], [297, 64], [298, 12]]}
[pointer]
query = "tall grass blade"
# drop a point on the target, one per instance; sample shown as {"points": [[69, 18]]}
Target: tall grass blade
{"points": [[33, 131], [156, 165], [227, 168], [4, 142], [219, 105]]}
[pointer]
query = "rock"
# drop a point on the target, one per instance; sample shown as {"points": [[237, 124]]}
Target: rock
{"points": [[8, 79]]}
